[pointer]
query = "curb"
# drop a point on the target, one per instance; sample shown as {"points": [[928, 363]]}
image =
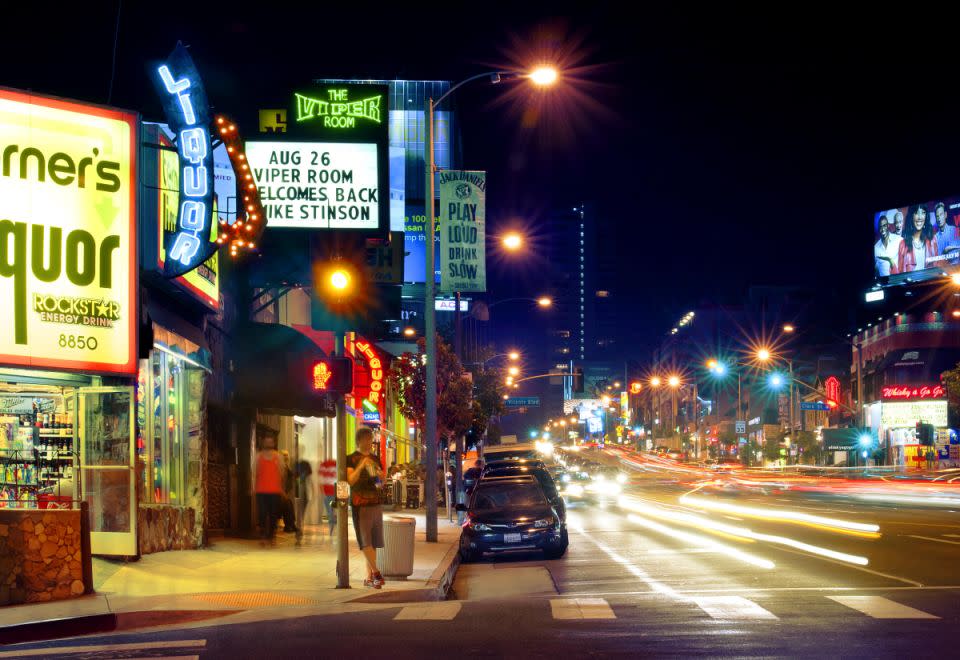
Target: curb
{"points": [[442, 578], [38, 631], [437, 587]]}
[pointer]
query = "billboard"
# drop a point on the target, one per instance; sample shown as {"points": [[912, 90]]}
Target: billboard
{"points": [[916, 243], [68, 273]]}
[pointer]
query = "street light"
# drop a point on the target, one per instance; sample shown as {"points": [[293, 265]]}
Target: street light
{"points": [[763, 354], [513, 355], [513, 371], [409, 332], [541, 77], [788, 328], [544, 76], [544, 301], [655, 381], [512, 241], [674, 381]]}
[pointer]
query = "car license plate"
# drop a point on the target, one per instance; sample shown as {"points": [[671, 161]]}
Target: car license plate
{"points": [[511, 538]]}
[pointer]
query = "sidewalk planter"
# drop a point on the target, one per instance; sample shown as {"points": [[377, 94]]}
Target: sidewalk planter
{"points": [[42, 555], [395, 559], [163, 527]]}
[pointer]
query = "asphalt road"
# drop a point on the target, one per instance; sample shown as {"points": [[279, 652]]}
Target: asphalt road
{"points": [[652, 576]]}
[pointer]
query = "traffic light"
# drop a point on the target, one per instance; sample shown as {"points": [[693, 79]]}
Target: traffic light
{"points": [[333, 375], [578, 379], [345, 296], [925, 433]]}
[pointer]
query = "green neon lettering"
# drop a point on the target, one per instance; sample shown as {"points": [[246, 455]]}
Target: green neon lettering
{"points": [[339, 113]]}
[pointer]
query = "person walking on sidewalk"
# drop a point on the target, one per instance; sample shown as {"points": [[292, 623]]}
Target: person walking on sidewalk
{"points": [[268, 487], [289, 494], [328, 483], [302, 471], [365, 477]]}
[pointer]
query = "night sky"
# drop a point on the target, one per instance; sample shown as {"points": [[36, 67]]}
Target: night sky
{"points": [[721, 149]]}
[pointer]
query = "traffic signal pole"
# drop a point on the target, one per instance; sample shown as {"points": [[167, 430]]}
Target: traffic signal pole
{"points": [[343, 554], [430, 329]]}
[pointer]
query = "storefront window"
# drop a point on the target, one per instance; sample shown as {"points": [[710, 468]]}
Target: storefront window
{"points": [[170, 449]]}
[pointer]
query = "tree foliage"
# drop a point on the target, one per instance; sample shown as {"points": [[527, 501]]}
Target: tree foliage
{"points": [[454, 391]]}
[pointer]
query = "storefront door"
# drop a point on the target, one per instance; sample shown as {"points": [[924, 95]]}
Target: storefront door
{"points": [[106, 434]]}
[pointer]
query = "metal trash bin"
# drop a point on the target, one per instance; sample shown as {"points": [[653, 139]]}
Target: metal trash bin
{"points": [[395, 559]]}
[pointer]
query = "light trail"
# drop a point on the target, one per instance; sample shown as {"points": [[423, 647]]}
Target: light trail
{"points": [[868, 530]]}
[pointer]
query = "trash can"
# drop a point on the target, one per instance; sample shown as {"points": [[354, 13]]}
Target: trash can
{"points": [[395, 559]]}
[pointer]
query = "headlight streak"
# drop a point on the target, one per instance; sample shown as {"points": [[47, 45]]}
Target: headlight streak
{"points": [[702, 542], [866, 530], [733, 531]]}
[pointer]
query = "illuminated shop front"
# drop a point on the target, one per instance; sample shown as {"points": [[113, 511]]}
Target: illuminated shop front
{"points": [[895, 418], [68, 285]]}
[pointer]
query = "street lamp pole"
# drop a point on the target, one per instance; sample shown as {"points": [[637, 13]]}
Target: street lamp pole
{"points": [[430, 329]]}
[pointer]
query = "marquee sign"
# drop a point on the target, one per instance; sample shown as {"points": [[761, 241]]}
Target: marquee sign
{"points": [[185, 104], [910, 392], [906, 414], [375, 370], [68, 273]]}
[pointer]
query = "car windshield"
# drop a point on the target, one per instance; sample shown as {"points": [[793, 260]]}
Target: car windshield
{"points": [[495, 496]]}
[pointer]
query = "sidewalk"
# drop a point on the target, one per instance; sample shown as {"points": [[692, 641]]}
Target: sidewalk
{"points": [[237, 580]]}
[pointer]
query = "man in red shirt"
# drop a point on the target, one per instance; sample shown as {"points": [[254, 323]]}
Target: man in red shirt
{"points": [[328, 481]]}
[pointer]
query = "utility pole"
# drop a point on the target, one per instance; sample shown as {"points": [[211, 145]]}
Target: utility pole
{"points": [[343, 554], [430, 328]]}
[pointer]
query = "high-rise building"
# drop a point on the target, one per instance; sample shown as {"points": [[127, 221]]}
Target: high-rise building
{"points": [[581, 282]]}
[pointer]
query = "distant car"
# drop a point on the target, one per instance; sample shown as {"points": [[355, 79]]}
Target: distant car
{"points": [[509, 514], [675, 454], [726, 463], [535, 469]]}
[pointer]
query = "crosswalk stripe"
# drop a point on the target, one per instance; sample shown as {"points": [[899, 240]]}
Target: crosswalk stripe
{"points": [[140, 646], [879, 607], [581, 608], [442, 611], [732, 607]]}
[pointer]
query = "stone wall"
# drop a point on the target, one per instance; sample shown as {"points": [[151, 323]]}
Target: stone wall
{"points": [[41, 556], [164, 527]]}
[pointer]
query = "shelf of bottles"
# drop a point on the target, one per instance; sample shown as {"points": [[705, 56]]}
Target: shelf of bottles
{"points": [[37, 455]]}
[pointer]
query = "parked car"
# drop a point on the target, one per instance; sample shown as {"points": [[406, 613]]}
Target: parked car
{"points": [[535, 469], [508, 514]]}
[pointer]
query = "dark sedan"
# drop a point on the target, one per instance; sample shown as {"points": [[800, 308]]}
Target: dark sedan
{"points": [[534, 469], [508, 514]]}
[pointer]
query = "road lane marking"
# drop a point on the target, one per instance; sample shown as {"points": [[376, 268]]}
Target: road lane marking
{"points": [[930, 538], [853, 566], [139, 646], [442, 611], [879, 607], [732, 608], [581, 608]]}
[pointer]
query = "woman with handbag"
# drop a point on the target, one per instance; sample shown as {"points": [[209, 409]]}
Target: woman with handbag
{"points": [[365, 477]]}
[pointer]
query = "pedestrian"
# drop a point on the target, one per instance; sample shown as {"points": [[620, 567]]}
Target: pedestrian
{"points": [[366, 477], [268, 486], [289, 493], [328, 483], [302, 472]]}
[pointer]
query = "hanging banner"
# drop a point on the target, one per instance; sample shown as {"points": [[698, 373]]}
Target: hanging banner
{"points": [[462, 222], [189, 242]]}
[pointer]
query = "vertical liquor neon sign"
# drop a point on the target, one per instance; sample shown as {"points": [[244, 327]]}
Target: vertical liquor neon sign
{"points": [[187, 111]]}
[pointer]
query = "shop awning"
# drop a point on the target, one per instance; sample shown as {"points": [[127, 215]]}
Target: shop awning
{"points": [[271, 363], [840, 439]]}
